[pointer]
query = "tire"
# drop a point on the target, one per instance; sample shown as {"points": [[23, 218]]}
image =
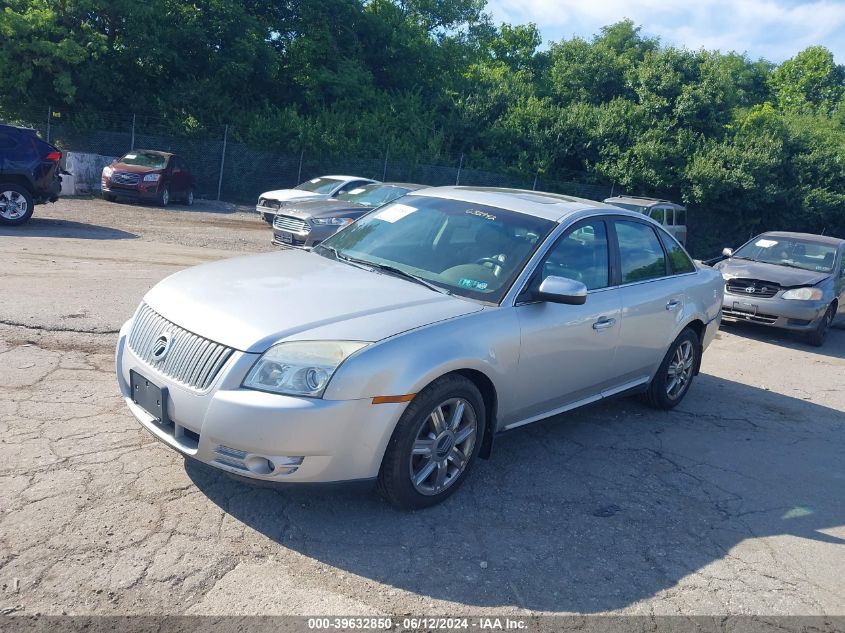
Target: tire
{"points": [[818, 336], [164, 197], [188, 200], [109, 198], [16, 204], [448, 457], [680, 363]]}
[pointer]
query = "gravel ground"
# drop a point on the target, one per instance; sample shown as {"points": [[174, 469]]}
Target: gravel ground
{"points": [[731, 504]]}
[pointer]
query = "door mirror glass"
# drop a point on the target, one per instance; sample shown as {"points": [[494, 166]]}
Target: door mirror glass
{"points": [[562, 290], [728, 252]]}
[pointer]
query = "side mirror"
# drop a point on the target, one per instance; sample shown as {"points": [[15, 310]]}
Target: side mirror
{"points": [[728, 252], [562, 290]]}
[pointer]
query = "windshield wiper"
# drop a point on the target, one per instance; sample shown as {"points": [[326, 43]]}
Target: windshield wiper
{"points": [[404, 274]]}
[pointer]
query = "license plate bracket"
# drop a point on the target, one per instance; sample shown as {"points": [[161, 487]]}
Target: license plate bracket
{"points": [[149, 396], [286, 237], [747, 308]]}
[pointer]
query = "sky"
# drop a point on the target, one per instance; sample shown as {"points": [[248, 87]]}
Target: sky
{"points": [[772, 29]]}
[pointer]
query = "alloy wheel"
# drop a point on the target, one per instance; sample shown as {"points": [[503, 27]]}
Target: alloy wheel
{"points": [[443, 446], [680, 370], [13, 205]]}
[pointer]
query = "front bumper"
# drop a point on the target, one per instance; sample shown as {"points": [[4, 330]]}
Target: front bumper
{"points": [[234, 429], [776, 312], [146, 194]]}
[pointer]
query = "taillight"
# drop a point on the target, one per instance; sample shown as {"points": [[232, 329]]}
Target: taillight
{"points": [[53, 156]]}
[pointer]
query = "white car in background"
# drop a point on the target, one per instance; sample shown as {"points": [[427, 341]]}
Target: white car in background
{"points": [[270, 202]]}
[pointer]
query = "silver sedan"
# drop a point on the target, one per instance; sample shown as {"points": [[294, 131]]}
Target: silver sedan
{"points": [[399, 348]]}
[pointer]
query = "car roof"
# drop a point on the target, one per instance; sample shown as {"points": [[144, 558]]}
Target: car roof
{"points": [[549, 206], [643, 201], [405, 185], [822, 239], [17, 128], [337, 177]]}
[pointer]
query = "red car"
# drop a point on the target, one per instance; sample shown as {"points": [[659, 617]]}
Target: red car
{"points": [[150, 175]]}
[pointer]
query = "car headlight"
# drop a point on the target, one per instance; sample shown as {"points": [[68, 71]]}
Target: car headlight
{"points": [[152, 177], [299, 368], [332, 221], [803, 294], [107, 171]]}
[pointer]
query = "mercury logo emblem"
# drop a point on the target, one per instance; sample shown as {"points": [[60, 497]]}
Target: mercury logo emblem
{"points": [[161, 346]]}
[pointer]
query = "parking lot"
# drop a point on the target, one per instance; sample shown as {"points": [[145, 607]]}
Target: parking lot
{"points": [[731, 504]]}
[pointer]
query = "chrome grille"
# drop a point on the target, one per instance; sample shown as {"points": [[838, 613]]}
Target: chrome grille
{"points": [[752, 288], [125, 178], [192, 360], [293, 225]]}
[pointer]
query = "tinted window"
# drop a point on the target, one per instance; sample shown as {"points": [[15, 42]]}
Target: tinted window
{"points": [[640, 252], [7, 142], [679, 262], [670, 217], [581, 254], [680, 217]]}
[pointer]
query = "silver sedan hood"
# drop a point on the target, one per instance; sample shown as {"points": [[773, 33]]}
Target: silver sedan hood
{"points": [[781, 275], [249, 303]]}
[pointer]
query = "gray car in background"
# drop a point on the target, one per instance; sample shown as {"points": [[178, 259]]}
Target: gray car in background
{"points": [[794, 281], [396, 350], [306, 224]]}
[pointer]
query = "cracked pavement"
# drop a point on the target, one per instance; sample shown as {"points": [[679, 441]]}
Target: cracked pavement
{"points": [[731, 504]]}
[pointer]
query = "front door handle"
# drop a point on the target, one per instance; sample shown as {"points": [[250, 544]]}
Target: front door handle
{"points": [[603, 324], [674, 303]]}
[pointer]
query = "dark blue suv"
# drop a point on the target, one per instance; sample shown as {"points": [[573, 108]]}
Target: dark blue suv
{"points": [[29, 173]]}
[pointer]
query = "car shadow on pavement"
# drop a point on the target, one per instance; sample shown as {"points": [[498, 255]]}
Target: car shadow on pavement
{"points": [[48, 227], [594, 510], [834, 346]]}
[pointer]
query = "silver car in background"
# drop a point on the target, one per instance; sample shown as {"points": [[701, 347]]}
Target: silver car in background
{"points": [[321, 188], [794, 281], [398, 348]]}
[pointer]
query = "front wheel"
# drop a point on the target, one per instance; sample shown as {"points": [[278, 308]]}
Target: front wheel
{"points": [[674, 377], [818, 336], [434, 444], [16, 204], [164, 197], [189, 198]]}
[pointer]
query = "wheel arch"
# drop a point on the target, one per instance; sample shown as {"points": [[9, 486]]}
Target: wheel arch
{"points": [[491, 403], [17, 179], [697, 326]]}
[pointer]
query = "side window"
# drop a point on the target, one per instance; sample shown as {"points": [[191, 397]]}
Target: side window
{"points": [[581, 254], [641, 255], [680, 217], [670, 217], [657, 214], [7, 142], [679, 261]]}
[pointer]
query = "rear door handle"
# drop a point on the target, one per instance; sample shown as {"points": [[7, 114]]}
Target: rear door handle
{"points": [[674, 303], [603, 324]]}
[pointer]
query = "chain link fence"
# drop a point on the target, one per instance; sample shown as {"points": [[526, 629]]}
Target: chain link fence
{"points": [[226, 169]]}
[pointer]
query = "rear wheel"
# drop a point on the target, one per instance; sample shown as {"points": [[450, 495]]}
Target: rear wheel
{"points": [[16, 204], [164, 197], [818, 336], [189, 198], [674, 377], [434, 444]]}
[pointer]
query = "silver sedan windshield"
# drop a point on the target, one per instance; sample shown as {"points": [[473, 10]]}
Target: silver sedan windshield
{"points": [[471, 250]]}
